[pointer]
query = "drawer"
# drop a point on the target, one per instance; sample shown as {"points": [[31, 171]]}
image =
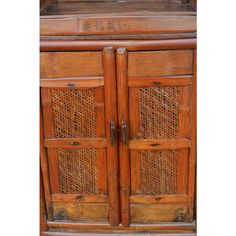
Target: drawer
{"points": [[70, 64], [160, 63]]}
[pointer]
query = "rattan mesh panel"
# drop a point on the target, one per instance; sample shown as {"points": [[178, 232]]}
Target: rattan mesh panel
{"points": [[159, 171], [77, 170], [74, 113], [159, 112]]}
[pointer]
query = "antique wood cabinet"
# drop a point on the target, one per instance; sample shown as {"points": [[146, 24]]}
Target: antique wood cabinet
{"points": [[118, 116]]}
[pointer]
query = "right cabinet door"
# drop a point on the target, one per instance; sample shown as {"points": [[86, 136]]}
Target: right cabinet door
{"points": [[160, 124]]}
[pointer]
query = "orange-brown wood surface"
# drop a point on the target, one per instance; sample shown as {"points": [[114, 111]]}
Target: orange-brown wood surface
{"points": [[64, 64], [74, 25], [80, 212], [112, 149], [118, 117], [105, 227], [160, 63], [154, 213], [131, 45], [122, 88]]}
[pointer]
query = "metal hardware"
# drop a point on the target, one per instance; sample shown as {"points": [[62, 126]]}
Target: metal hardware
{"points": [[124, 132], [181, 215], [155, 144], [156, 83], [71, 85], [112, 132], [75, 143], [158, 198], [80, 197]]}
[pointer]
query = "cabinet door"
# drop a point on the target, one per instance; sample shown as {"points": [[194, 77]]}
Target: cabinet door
{"points": [[156, 117], [81, 159]]}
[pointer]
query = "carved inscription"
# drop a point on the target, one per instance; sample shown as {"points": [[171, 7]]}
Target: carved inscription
{"points": [[105, 25]]}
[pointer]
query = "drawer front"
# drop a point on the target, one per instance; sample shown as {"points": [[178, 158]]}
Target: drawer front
{"points": [[160, 63], [70, 64]]}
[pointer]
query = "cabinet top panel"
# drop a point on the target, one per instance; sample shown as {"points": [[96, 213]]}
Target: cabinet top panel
{"points": [[122, 17]]}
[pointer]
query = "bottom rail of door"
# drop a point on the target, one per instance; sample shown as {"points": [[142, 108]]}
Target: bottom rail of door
{"points": [[74, 229]]}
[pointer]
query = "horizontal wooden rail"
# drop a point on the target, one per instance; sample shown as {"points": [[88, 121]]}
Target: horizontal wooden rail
{"points": [[155, 144], [75, 143], [160, 81], [75, 82], [79, 198], [50, 233], [131, 45], [146, 199], [140, 227]]}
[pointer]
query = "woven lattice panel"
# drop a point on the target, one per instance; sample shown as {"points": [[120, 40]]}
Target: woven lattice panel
{"points": [[74, 113], [159, 112], [77, 170], [159, 170]]}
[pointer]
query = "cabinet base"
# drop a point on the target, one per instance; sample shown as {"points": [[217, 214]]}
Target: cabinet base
{"points": [[165, 229], [115, 234]]}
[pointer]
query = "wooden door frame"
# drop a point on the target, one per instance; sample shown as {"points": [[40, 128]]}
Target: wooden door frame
{"points": [[110, 113], [95, 45], [124, 152]]}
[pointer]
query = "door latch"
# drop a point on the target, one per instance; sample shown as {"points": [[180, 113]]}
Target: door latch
{"points": [[124, 132], [112, 132]]}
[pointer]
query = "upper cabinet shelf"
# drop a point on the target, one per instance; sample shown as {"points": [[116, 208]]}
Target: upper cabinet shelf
{"points": [[115, 7]]}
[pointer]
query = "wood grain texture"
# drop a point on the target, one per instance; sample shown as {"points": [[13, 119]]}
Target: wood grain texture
{"points": [[183, 166], [154, 213], [67, 64], [193, 133], [108, 7], [109, 68], [72, 83], [45, 170], [131, 45], [184, 129], [105, 227], [101, 132], [75, 143], [160, 63], [123, 117], [43, 215], [155, 144], [49, 133], [82, 25], [160, 81], [82, 198], [160, 199], [80, 212]]}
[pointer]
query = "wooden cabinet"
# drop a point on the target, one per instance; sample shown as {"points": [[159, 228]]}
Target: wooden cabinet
{"points": [[118, 129]]}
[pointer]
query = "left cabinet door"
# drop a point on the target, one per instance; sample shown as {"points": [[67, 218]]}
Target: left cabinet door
{"points": [[79, 156]]}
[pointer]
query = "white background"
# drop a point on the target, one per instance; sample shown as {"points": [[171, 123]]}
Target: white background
{"points": [[19, 118]]}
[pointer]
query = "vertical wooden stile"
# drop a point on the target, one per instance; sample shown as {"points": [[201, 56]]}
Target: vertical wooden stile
{"points": [[43, 223], [123, 109], [134, 134], [184, 122], [112, 149], [45, 171], [49, 133], [101, 133], [192, 156]]}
